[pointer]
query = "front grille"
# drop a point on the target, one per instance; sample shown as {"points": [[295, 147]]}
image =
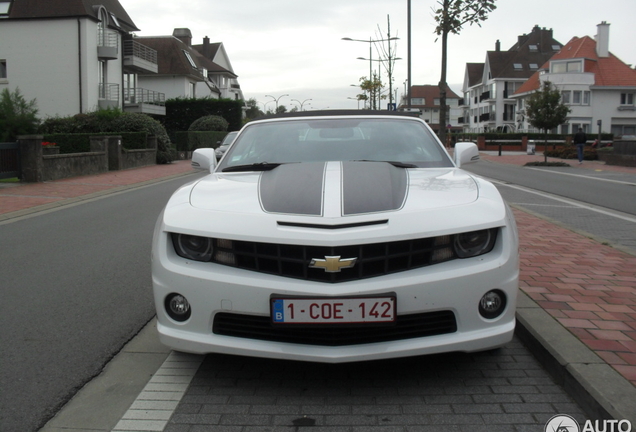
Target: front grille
{"points": [[293, 261], [405, 327]]}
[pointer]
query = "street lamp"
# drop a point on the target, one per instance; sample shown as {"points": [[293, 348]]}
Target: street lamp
{"points": [[301, 103], [356, 99], [276, 99], [371, 42]]}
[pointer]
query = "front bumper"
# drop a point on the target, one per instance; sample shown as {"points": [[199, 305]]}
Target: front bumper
{"points": [[455, 286]]}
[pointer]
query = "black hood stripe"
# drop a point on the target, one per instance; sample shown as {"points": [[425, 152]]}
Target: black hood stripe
{"points": [[371, 187], [295, 188], [366, 187]]}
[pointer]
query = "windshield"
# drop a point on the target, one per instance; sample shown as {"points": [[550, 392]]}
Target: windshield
{"points": [[344, 139]]}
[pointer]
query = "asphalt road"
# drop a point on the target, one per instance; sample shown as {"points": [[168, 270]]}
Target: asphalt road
{"points": [[76, 287], [599, 204]]}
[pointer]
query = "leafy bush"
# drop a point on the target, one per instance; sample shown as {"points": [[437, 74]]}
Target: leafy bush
{"points": [[181, 112], [116, 122], [17, 116], [209, 124], [569, 152], [190, 141]]}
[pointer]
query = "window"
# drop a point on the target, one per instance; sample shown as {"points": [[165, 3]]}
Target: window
{"points": [[534, 66], [417, 101], [114, 20], [586, 98], [576, 97], [565, 97], [533, 48], [566, 67], [189, 57], [4, 7], [627, 98], [517, 66], [191, 90], [3, 69], [556, 47]]}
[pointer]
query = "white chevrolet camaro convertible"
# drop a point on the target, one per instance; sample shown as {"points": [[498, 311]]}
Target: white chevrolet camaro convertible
{"points": [[336, 237]]}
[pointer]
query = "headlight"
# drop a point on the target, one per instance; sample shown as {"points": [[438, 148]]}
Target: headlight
{"points": [[474, 243], [193, 247]]}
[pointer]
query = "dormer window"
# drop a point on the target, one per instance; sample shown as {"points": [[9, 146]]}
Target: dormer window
{"points": [[566, 66], [189, 57], [114, 20]]}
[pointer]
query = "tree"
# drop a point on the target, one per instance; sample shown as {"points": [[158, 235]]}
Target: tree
{"points": [[373, 87], [545, 111], [17, 116], [451, 16], [253, 111]]}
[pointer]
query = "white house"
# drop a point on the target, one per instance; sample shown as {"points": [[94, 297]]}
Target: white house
{"points": [[599, 88], [488, 87], [74, 56], [190, 71], [426, 100]]}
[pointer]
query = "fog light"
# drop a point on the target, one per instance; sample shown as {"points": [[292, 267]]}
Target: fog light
{"points": [[177, 307], [492, 304]]}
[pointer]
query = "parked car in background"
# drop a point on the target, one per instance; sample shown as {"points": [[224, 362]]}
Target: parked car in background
{"points": [[225, 144], [336, 237]]}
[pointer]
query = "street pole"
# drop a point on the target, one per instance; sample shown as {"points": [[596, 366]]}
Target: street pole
{"points": [[408, 91]]}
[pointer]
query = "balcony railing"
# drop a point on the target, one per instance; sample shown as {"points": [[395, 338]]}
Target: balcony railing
{"points": [[107, 44], [139, 96], [484, 96], [109, 91], [135, 49]]}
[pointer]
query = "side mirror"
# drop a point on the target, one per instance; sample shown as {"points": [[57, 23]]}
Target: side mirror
{"points": [[465, 153], [204, 159]]}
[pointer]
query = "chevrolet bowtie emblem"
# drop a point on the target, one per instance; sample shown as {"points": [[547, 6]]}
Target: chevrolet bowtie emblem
{"points": [[332, 264]]}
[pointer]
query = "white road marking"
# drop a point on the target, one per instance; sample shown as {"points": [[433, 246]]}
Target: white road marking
{"points": [[584, 176], [156, 403]]}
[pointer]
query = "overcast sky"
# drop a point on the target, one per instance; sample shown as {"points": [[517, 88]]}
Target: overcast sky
{"points": [[295, 47]]}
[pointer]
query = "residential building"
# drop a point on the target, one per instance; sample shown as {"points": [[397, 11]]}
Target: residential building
{"points": [[599, 88], [488, 87], [426, 100], [190, 71], [74, 56]]}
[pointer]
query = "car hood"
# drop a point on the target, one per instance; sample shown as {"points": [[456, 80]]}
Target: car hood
{"points": [[334, 189]]}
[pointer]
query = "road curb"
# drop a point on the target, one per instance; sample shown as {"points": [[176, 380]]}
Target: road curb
{"points": [[599, 389]]}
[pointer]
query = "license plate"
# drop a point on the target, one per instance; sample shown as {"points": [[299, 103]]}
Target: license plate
{"points": [[333, 311]]}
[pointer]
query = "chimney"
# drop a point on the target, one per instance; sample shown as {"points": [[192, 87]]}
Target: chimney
{"points": [[206, 47], [183, 34], [602, 39], [497, 46]]}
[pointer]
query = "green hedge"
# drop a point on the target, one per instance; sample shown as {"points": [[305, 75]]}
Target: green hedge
{"points": [[181, 113], [518, 136], [81, 143], [192, 140]]}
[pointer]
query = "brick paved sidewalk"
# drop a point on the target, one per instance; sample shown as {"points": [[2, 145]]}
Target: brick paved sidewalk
{"points": [[21, 196], [588, 287]]}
